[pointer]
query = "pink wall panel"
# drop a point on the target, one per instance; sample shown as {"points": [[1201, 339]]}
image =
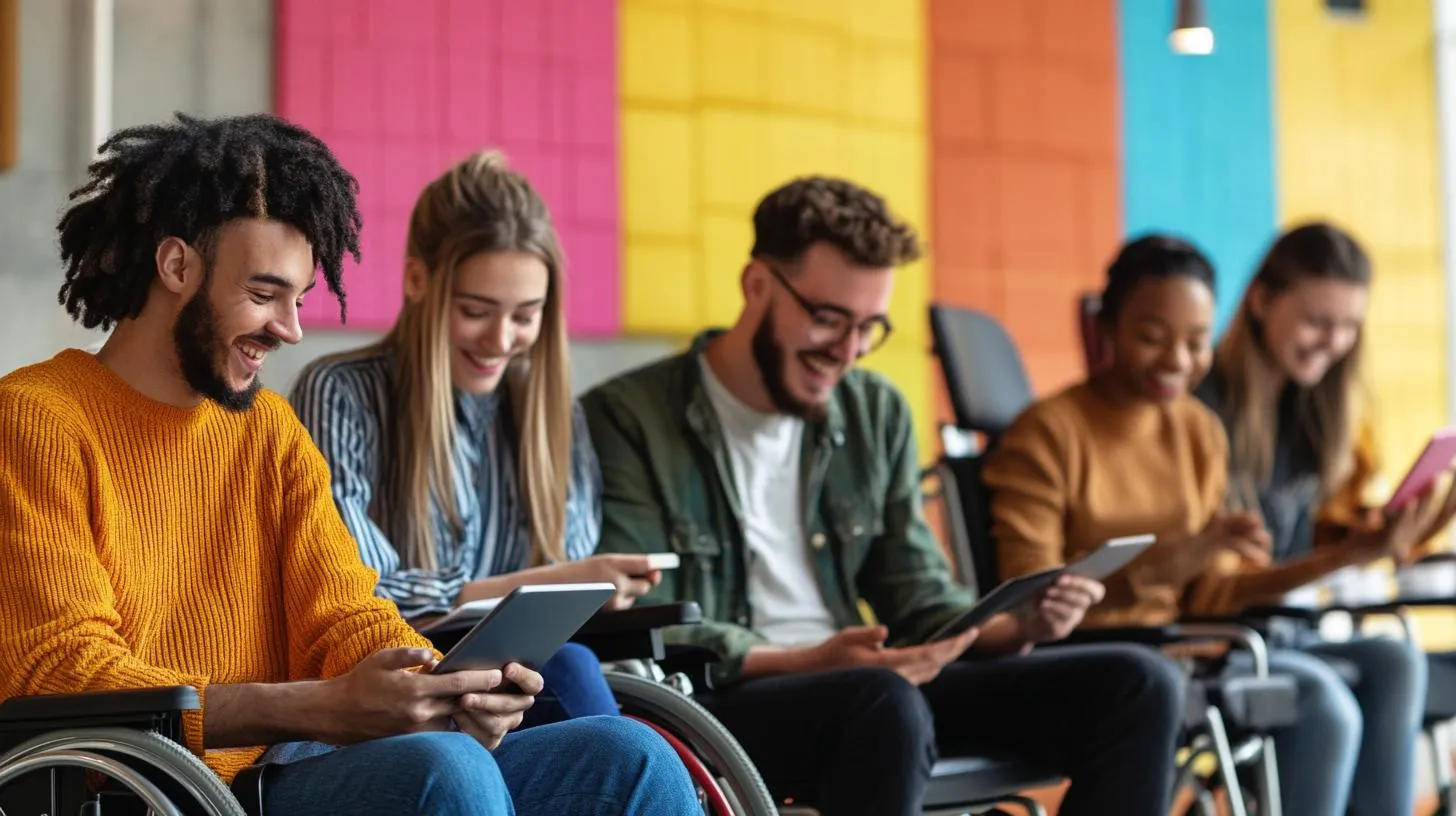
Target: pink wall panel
{"points": [[400, 89]]}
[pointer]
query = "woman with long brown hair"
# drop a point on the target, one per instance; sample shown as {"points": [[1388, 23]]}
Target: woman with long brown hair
{"points": [[460, 460], [1286, 381]]}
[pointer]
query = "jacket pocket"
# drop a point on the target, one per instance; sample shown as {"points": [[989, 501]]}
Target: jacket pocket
{"points": [[702, 562], [856, 524]]}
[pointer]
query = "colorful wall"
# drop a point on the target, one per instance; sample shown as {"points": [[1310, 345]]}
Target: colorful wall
{"points": [[402, 88], [1357, 142], [723, 101], [1026, 139]]}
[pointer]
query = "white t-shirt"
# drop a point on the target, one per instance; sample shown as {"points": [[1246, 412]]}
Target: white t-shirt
{"points": [[764, 451]]}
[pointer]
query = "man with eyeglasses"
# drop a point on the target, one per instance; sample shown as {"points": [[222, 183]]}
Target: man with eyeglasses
{"points": [[788, 482]]}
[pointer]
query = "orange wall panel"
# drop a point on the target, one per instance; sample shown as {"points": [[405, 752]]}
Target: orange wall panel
{"points": [[1025, 165]]}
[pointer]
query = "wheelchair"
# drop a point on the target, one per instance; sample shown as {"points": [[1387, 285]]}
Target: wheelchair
{"points": [[117, 753], [1227, 718], [1440, 710]]}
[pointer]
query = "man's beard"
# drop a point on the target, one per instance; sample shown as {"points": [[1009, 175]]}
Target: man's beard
{"points": [[200, 350], [770, 356]]}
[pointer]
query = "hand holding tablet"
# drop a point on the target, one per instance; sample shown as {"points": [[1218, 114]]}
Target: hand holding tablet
{"points": [[527, 627], [1005, 597], [1020, 592], [1436, 459]]}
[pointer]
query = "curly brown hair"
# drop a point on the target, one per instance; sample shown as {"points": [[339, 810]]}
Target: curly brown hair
{"points": [[817, 208]]}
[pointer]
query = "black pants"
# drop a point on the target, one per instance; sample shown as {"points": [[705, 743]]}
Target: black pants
{"points": [[861, 741]]}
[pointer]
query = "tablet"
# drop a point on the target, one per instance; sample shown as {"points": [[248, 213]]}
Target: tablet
{"points": [[528, 627], [1009, 595], [1438, 456], [1113, 555]]}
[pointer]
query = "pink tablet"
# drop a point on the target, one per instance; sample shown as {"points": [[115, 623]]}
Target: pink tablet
{"points": [[1438, 456]]}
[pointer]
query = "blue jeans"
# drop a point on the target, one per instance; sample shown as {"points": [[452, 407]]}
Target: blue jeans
{"points": [[1352, 749], [574, 687], [593, 766]]}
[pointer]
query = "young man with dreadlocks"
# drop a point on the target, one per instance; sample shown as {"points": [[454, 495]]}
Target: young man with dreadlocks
{"points": [[163, 521]]}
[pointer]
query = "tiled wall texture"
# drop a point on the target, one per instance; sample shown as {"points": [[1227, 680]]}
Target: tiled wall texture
{"points": [[723, 100], [401, 89]]}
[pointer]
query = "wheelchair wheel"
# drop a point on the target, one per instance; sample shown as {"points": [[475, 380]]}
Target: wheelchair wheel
{"points": [[164, 775], [711, 796], [668, 710]]}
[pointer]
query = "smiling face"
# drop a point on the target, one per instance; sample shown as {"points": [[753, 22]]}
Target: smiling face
{"points": [[496, 308], [1162, 340], [815, 323], [245, 306], [1310, 326]]}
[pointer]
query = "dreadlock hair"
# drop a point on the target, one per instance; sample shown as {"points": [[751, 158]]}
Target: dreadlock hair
{"points": [[186, 180]]}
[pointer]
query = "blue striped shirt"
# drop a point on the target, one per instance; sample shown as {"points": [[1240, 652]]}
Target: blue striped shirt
{"points": [[346, 404]]}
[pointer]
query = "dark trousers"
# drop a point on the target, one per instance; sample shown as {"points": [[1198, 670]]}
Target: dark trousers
{"points": [[859, 741]]}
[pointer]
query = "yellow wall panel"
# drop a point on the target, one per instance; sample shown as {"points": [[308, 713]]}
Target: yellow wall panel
{"points": [[893, 162], [662, 201], [740, 170], [730, 58], [867, 22], [723, 100], [652, 307], [803, 145], [891, 71], [806, 69], [1357, 144], [1356, 141], [908, 308], [656, 55], [726, 242], [812, 13], [739, 5]]}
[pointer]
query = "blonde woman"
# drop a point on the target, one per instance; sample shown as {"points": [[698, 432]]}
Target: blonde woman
{"points": [[460, 460], [1286, 383]]}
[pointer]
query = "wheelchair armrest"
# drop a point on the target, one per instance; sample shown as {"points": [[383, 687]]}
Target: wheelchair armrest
{"points": [[1255, 703], [636, 633], [642, 618], [1299, 613], [152, 709], [100, 704], [1232, 631], [1143, 635]]}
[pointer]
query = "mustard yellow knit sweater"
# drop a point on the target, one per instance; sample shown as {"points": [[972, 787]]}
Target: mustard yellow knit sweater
{"points": [[144, 545]]}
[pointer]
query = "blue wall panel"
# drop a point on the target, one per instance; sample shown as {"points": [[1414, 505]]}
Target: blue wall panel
{"points": [[1197, 140]]}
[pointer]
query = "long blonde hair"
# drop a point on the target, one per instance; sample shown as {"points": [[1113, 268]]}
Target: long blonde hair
{"points": [[479, 205], [1333, 409]]}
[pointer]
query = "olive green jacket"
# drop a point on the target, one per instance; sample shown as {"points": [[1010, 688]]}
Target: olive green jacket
{"points": [[667, 487]]}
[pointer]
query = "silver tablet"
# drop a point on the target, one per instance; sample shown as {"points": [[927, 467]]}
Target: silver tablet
{"points": [[1113, 555], [1004, 597], [528, 626]]}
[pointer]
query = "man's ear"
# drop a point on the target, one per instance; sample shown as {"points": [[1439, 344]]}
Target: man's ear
{"points": [[175, 264], [416, 280], [752, 285]]}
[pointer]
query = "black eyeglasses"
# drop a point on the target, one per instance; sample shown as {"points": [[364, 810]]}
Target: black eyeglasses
{"points": [[831, 324]]}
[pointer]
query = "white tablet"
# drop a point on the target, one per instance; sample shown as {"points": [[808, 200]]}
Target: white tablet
{"points": [[1113, 555]]}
